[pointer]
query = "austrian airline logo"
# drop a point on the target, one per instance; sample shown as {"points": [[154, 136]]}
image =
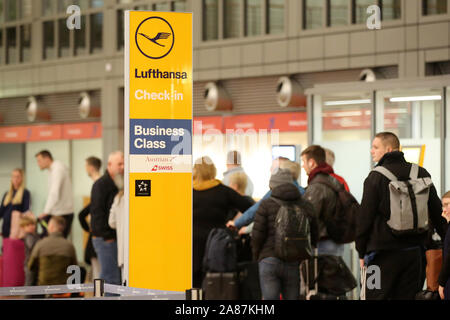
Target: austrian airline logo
{"points": [[155, 37]]}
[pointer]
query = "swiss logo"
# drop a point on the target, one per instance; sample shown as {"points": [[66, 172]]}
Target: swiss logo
{"points": [[143, 188]]}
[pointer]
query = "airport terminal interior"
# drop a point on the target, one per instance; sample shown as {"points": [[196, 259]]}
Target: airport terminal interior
{"points": [[270, 78]]}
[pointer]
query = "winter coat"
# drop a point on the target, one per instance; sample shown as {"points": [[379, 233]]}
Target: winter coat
{"points": [[263, 234], [323, 198], [212, 204], [372, 230]]}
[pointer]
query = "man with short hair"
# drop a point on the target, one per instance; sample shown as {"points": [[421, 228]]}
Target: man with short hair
{"points": [[104, 237], [93, 165], [400, 259], [234, 164], [52, 255], [60, 197], [322, 196]]}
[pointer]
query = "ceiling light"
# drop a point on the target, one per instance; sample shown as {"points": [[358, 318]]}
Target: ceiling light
{"points": [[412, 99], [347, 102]]}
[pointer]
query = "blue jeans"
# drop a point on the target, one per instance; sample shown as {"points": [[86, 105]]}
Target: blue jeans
{"points": [[107, 256], [329, 247], [277, 277]]}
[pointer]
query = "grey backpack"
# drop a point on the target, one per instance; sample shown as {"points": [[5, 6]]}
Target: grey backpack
{"points": [[408, 202]]}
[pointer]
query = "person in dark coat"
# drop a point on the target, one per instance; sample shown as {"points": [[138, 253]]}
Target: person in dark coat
{"points": [[401, 260], [18, 198], [322, 196], [104, 238], [277, 276], [444, 276], [93, 165], [212, 204]]}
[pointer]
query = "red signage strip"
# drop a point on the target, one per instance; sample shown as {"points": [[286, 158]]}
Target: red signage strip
{"points": [[208, 125], [70, 131], [284, 122], [81, 131], [14, 134]]}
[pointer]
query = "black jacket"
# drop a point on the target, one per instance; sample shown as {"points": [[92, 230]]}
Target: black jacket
{"points": [[102, 196], [324, 200], [89, 251], [263, 234], [211, 209], [372, 231]]}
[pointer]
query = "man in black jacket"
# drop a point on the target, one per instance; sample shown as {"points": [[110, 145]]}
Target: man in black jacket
{"points": [[399, 260], [323, 198], [103, 237]]}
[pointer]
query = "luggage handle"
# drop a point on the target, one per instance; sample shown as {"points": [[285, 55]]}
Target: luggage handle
{"points": [[310, 293]]}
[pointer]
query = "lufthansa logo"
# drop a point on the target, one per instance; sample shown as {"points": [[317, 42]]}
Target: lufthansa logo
{"points": [[155, 37]]}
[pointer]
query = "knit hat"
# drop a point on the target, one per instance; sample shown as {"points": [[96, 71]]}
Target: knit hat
{"points": [[280, 177]]}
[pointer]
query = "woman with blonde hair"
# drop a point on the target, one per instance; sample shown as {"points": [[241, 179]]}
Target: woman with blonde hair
{"points": [[212, 204], [14, 204]]}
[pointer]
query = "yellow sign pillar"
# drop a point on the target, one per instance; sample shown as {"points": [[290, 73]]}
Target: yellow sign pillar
{"points": [[158, 149]]}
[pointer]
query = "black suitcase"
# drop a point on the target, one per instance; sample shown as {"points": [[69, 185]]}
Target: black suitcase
{"points": [[326, 278], [221, 286]]}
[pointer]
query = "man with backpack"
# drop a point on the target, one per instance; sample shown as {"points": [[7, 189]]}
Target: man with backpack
{"points": [[283, 235], [322, 193], [399, 199]]}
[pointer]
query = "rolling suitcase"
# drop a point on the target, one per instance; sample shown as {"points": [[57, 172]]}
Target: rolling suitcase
{"points": [[221, 286], [13, 263], [326, 278]]}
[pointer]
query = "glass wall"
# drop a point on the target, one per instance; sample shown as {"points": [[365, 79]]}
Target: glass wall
{"points": [[391, 9], [432, 7], [11, 45], [25, 39], [338, 13], [210, 20], [253, 17], [232, 18], [275, 13], [360, 10], [342, 123], [313, 14], [415, 116]]}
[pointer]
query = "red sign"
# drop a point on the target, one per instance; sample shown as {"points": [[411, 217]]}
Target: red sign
{"points": [[205, 125], [284, 122], [13, 134], [44, 133], [81, 131], [50, 132]]}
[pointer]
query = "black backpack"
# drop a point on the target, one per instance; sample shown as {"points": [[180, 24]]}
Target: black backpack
{"points": [[221, 251], [341, 226], [292, 232]]}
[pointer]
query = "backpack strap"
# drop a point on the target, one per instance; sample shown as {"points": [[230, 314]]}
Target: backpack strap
{"points": [[414, 173], [385, 172]]}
